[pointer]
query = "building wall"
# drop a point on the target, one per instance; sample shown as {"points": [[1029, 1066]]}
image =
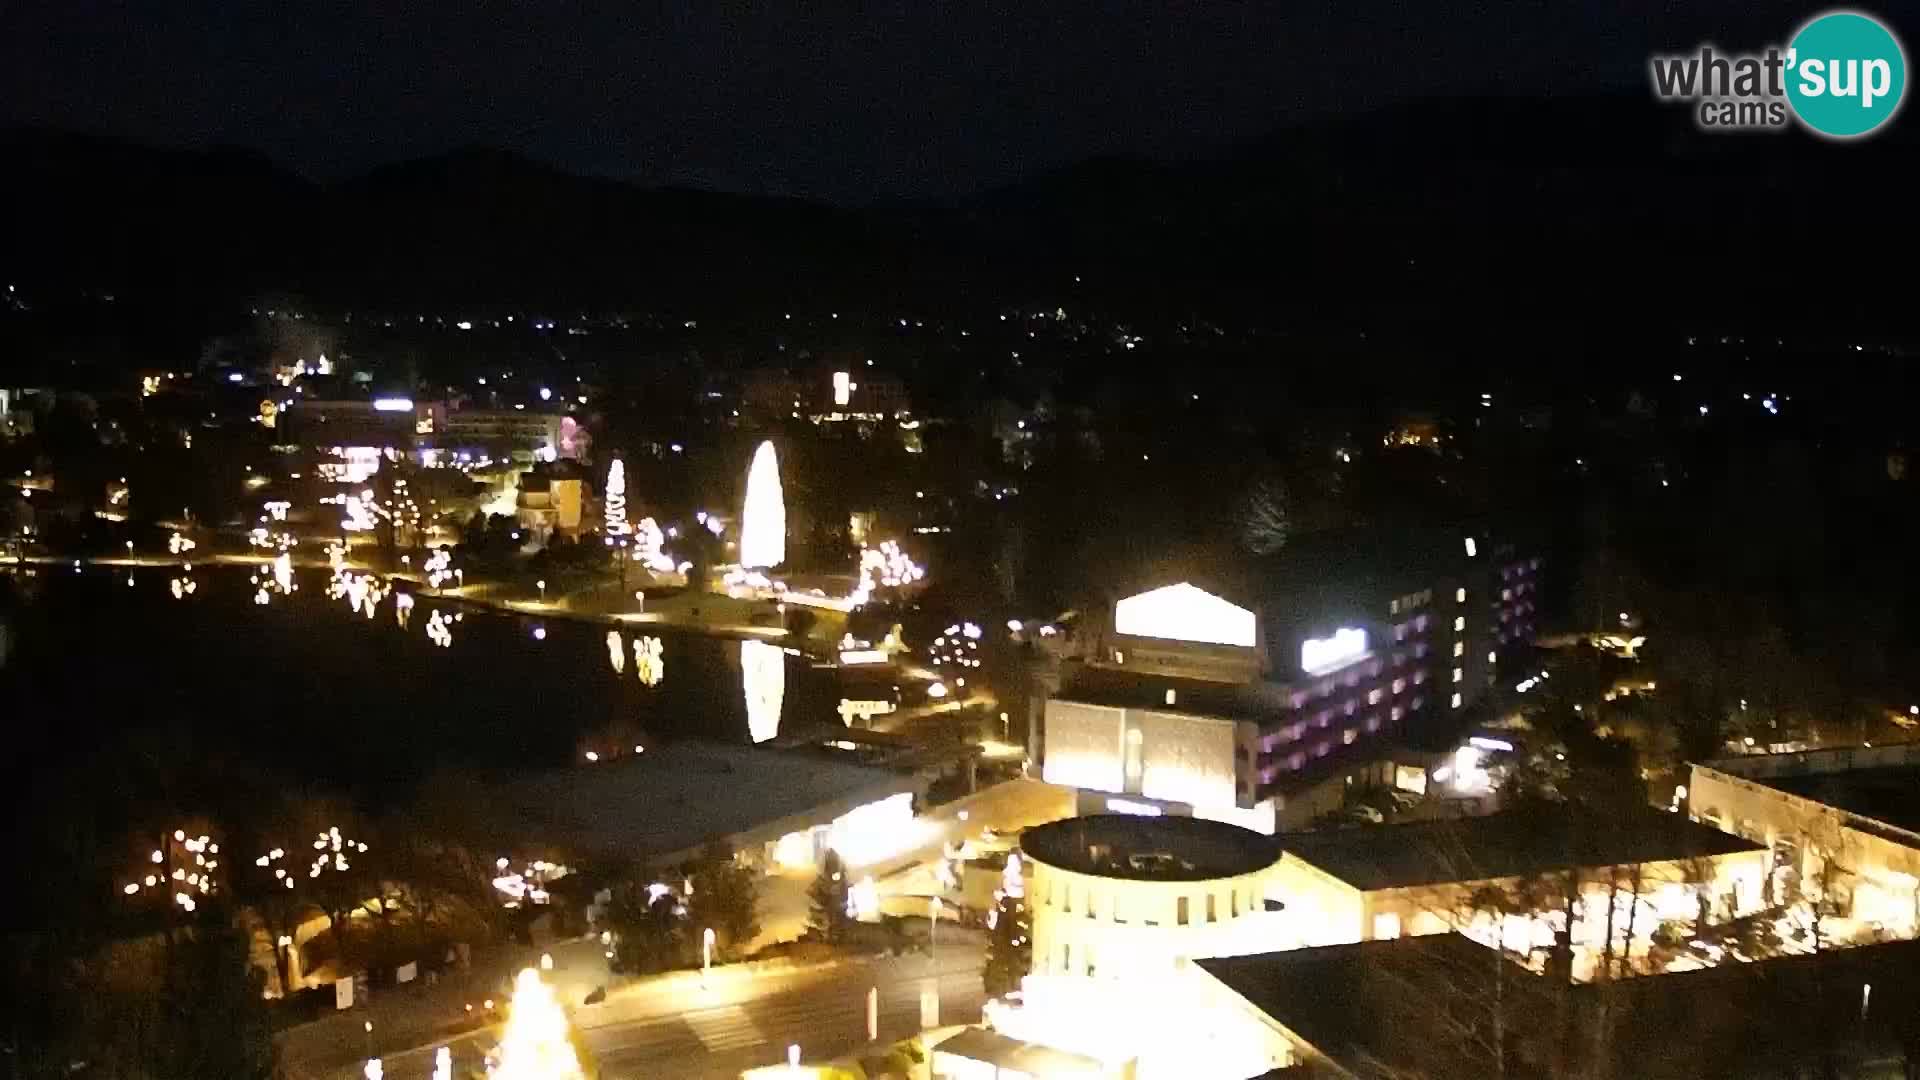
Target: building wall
{"points": [[1083, 745], [1645, 896], [1320, 908], [1155, 753], [1185, 1026], [1185, 757], [1085, 924], [1882, 863]]}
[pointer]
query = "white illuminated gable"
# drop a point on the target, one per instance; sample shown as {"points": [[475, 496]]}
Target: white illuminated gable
{"points": [[1184, 613]]}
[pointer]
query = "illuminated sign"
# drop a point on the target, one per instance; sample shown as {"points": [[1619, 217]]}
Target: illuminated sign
{"points": [[1184, 613], [393, 404], [1321, 655], [842, 388]]}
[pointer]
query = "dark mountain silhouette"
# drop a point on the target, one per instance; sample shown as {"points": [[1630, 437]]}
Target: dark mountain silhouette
{"points": [[1494, 212]]}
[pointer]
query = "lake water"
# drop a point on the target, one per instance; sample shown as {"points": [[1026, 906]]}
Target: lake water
{"points": [[317, 689]]}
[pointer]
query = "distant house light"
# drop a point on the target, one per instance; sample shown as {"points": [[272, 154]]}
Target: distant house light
{"points": [[1472, 548]]}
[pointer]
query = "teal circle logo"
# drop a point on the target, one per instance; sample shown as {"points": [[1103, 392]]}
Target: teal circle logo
{"points": [[1846, 74]]}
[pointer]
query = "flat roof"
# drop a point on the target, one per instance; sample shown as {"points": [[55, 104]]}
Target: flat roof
{"points": [[1003, 1052], [1506, 844], [1139, 848], [1257, 701], [1878, 783], [1332, 997], [1888, 794], [680, 795]]}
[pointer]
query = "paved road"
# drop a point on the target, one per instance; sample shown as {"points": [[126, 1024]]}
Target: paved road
{"points": [[674, 1028]]}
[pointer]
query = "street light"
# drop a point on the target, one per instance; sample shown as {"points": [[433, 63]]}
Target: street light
{"points": [[542, 583], [706, 953]]}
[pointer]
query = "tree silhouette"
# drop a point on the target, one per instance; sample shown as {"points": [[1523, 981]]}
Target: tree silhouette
{"points": [[827, 918]]}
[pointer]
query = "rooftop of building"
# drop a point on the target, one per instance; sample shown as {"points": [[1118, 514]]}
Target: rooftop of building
{"points": [[1321, 582], [1147, 690], [1507, 844], [1139, 848], [1331, 997], [1421, 1006], [680, 795], [1880, 783]]}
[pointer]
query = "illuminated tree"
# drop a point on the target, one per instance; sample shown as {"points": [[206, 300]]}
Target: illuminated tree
{"points": [[536, 1043], [616, 499], [763, 518], [1010, 941], [1263, 516], [827, 915]]}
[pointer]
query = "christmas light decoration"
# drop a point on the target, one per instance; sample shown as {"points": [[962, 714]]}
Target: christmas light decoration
{"points": [[649, 660], [616, 499], [535, 1045], [763, 517]]}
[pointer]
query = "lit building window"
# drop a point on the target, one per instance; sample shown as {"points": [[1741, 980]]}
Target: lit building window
{"points": [[1459, 623], [1459, 596], [1373, 696], [1398, 712], [1347, 737], [1399, 685], [1456, 701], [1458, 674], [1493, 658], [1459, 649]]}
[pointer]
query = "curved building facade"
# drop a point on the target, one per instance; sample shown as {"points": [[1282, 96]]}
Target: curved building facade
{"points": [[1117, 895]]}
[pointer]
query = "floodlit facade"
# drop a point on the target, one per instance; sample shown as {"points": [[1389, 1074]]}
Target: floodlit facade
{"points": [[1125, 896], [1845, 821], [1185, 612], [1269, 714], [1121, 906], [1383, 882]]}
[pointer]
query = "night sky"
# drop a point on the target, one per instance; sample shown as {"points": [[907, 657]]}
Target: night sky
{"points": [[921, 99]]}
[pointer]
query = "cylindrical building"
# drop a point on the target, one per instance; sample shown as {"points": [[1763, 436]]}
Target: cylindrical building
{"points": [[1122, 895]]}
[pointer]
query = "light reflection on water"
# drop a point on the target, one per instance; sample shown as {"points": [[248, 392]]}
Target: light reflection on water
{"points": [[313, 679]]}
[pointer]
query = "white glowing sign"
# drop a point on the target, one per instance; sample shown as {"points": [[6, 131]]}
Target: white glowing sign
{"points": [[842, 388], [393, 404], [1184, 612], [1321, 655]]}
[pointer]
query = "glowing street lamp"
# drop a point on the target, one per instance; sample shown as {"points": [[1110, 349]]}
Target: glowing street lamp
{"points": [[542, 585]]}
